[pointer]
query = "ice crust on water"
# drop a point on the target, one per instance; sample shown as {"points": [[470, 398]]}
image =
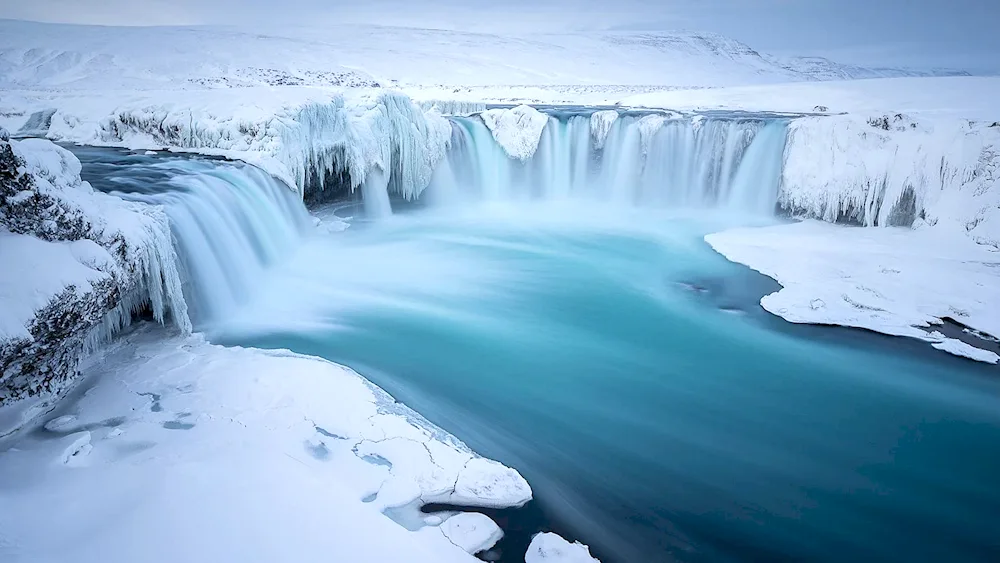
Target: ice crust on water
{"points": [[252, 423], [518, 130], [548, 547]]}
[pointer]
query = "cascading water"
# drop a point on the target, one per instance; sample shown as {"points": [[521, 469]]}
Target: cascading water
{"points": [[229, 220], [652, 160]]}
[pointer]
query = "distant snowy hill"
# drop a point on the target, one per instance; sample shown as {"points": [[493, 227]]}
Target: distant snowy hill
{"points": [[34, 55], [821, 68]]}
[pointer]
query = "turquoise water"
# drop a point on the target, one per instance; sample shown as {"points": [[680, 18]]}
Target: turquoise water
{"points": [[628, 373]]}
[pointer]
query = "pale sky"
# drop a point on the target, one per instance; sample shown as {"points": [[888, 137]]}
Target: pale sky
{"points": [[918, 33]]}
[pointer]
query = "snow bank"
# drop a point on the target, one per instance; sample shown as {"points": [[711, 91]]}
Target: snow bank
{"points": [[551, 548], [891, 170], [77, 265], [237, 454], [895, 281], [518, 130]]}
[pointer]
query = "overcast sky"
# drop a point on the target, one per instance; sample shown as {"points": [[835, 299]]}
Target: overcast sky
{"points": [[951, 33]]}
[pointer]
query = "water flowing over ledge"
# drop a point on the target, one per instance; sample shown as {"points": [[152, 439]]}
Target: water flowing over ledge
{"points": [[870, 169], [645, 160]]}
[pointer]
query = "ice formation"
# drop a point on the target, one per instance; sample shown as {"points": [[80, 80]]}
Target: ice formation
{"points": [[78, 265], [453, 107], [517, 130], [893, 170], [551, 548], [600, 126], [312, 140]]}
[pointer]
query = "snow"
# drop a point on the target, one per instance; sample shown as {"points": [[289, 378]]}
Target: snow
{"points": [[894, 169], [59, 56], [896, 281], [210, 446], [959, 348], [36, 271], [959, 98], [39, 270], [302, 135], [551, 548], [472, 531], [213, 447], [518, 130]]}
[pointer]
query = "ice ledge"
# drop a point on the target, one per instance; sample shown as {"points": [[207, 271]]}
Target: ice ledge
{"points": [[188, 440], [901, 282]]}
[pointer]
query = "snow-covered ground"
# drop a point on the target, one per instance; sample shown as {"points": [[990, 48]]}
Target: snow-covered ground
{"points": [[47, 55], [895, 281], [240, 455]]}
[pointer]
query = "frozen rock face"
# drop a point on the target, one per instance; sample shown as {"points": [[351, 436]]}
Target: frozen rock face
{"points": [[551, 548], [77, 265], [517, 130], [324, 143], [890, 170]]}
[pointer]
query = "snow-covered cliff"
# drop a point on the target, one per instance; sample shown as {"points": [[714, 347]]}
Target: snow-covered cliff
{"points": [[77, 265], [894, 170]]}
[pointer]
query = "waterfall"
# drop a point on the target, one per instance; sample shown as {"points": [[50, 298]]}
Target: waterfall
{"points": [[229, 221], [731, 163]]}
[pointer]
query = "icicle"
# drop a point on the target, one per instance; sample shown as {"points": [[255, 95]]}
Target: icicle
{"points": [[517, 130]]}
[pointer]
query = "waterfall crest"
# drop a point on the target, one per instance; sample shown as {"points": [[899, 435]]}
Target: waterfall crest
{"points": [[229, 220], [651, 160]]}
